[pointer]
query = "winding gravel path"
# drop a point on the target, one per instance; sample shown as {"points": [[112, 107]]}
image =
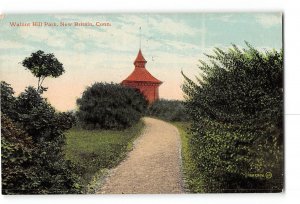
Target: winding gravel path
{"points": [[153, 166]]}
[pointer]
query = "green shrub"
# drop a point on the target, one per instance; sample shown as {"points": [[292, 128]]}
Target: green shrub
{"points": [[7, 99], [170, 110], [110, 106], [16, 151], [48, 171], [234, 159], [237, 118]]}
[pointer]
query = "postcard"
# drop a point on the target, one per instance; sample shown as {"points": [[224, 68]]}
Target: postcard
{"points": [[142, 103]]}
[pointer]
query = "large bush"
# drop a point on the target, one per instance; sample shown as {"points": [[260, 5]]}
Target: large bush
{"points": [[110, 106], [170, 110], [7, 99], [39, 132], [237, 114], [16, 150]]}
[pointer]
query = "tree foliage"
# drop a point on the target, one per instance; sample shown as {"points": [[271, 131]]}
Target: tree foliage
{"points": [[110, 106], [16, 150], [33, 138], [236, 107], [7, 99], [43, 65]]}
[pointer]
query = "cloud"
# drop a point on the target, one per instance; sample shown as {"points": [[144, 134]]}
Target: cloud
{"points": [[161, 24], [269, 20], [9, 44], [51, 37], [227, 18], [127, 34], [171, 27], [179, 45], [122, 36], [79, 46]]}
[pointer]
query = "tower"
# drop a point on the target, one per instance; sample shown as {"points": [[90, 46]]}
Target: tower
{"points": [[142, 80]]}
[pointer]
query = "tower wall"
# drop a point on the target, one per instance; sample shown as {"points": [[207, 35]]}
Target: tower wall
{"points": [[149, 90]]}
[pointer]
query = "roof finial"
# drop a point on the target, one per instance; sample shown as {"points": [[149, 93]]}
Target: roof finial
{"points": [[140, 37]]}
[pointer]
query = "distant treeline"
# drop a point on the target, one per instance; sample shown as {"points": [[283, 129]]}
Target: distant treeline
{"points": [[169, 110]]}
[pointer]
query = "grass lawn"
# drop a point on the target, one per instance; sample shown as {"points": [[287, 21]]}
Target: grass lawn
{"points": [[96, 151], [191, 175]]}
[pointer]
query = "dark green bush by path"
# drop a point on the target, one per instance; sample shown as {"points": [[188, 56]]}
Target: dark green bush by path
{"points": [[236, 110], [33, 138], [110, 106], [170, 110]]}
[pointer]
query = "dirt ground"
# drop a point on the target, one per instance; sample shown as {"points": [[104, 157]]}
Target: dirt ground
{"points": [[153, 166]]}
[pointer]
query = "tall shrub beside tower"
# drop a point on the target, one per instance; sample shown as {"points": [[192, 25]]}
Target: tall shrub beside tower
{"points": [[110, 106]]}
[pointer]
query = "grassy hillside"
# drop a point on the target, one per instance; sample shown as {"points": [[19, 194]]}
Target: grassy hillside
{"points": [[96, 151]]}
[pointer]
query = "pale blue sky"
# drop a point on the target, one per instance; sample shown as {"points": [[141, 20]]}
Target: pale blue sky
{"points": [[170, 43]]}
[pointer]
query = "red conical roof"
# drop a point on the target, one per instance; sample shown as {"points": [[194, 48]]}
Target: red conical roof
{"points": [[140, 73], [140, 57]]}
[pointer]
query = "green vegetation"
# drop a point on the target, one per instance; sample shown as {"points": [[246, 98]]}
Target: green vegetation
{"points": [[191, 175], [110, 106], [16, 148], [236, 109], [43, 65], [95, 151], [169, 110], [32, 136], [32, 141]]}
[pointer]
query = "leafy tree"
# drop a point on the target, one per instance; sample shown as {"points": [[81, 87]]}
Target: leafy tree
{"points": [[7, 99], [34, 140], [43, 65], [236, 107], [40, 120], [110, 106]]}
